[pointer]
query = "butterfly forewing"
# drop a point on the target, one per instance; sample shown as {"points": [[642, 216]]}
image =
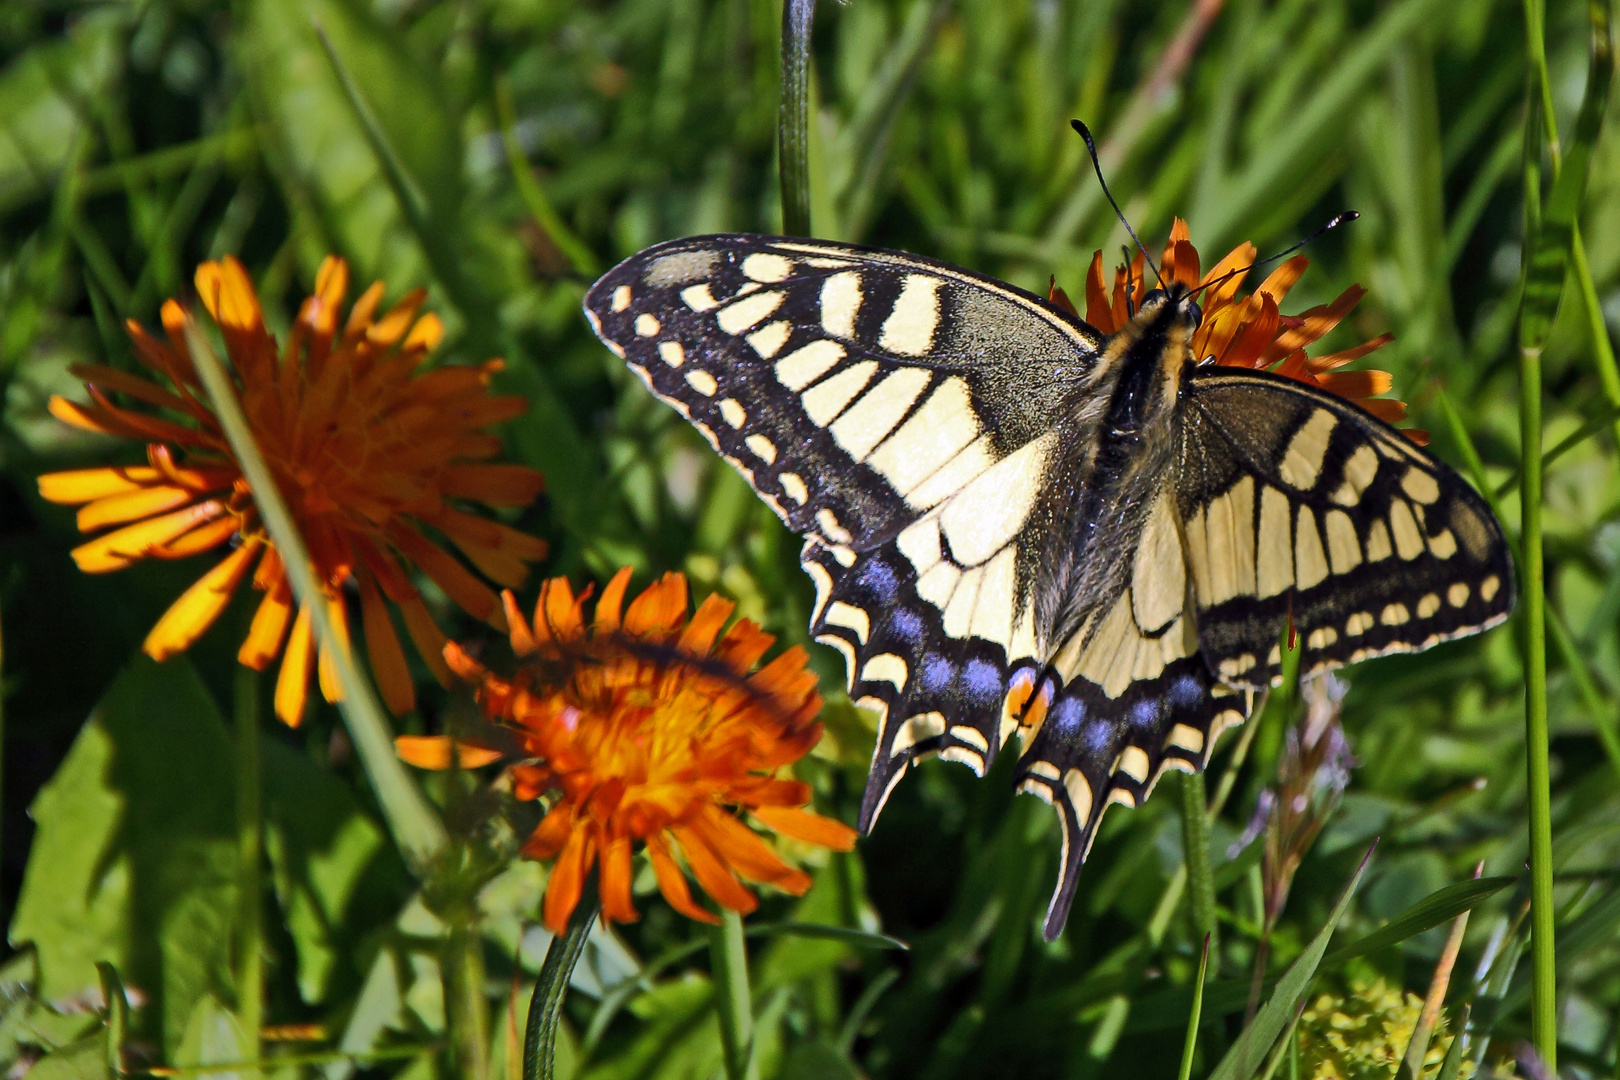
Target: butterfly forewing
{"points": [[1300, 508], [897, 411]]}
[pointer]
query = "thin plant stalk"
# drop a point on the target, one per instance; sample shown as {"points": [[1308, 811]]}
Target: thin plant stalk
{"points": [[793, 131], [468, 1004], [249, 865], [551, 988], [728, 953], [414, 824], [1191, 1043], [1195, 848], [1411, 1067]]}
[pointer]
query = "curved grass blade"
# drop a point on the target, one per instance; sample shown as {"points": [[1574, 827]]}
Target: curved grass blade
{"points": [[551, 987], [1249, 1051], [1437, 908], [1191, 1044]]}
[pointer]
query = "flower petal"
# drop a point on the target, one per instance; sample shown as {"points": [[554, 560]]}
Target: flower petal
{"points": [[75, 486], [615, 881], [806, 827], [608, 608], [567, 880], [672, 883], [263, 640], [292, 683], [746, 852], [132, 543], [199, 605], [659, 609], [388, 664], [712, 873], [442, 752]]}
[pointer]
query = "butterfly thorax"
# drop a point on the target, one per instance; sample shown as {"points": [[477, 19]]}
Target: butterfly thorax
{"points": [[1125, 453]]}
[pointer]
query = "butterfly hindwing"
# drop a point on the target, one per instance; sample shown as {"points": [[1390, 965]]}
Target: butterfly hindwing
{"points": [[1297, 506]]}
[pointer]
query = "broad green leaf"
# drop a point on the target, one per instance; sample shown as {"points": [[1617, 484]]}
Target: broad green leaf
{"points": [[84, 1060], [45, 94], [1250, 1049], [679, 1035], [134, 861], [329, 859], [1436, 909]]}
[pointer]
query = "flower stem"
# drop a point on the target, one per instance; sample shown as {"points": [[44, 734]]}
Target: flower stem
{"points": [[415, 826], [545, 1007], [793, 124], [249, 865], [1191, 1043], [728, 953], [469, 1008]]}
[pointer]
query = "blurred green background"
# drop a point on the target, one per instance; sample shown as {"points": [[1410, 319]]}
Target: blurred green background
{"points": [[519, 147]]}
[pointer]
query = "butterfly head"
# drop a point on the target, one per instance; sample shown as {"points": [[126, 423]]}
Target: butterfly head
{"points": [[1174, 304]]}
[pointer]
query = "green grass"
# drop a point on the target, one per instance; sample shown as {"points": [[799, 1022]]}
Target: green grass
{"points": [[500, 153]]}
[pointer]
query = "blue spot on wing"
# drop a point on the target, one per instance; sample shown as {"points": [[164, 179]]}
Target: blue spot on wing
{"points": [[1185, 692], [936, 674], [1067, 716], [983, 679], [907, 626], [879, 579]]}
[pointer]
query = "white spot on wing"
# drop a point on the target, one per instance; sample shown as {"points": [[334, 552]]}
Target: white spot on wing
{"points": [[793, 487], [909, 329], [1302, 461], [763, 266], [1274, 557], [886, 667], [647, 324], [824, 401], [850, 618], [747, 312], [699, 298], [672, 353], [986, 514], [702, 382], [732, 412], [803, 366], [762, 447], [871, 419], [934, 434], [973, 460], [840, 303], [621, 298]]}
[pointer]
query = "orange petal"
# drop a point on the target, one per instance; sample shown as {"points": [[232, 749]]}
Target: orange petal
{"points": [[552, 834], [199, 605], [567, 881], [74, 486], [672, 883], [1251, 342], [442, 752], [263, 640], [198, 540], [712, 873], [660, 608], [1316, 322], [338, 616], [615, 879], [805, 826], [429, 640], [131, 506], [517, 627], [392, 326], [1356, 384], [558, 614], [492, 484], [1098, 313], [425, 335], [1386, 409], [611, 604], [320, 311], [1332, 360], [746, 852], [1058, 298], [698, 637], [292, 683], [388, 664], [227, 293], [119, 549], [458, 583], [1183, 262], [1280, 280]]}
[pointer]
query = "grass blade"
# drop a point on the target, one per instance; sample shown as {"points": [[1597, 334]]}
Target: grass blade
{"points": [[1250, 1049], [1191, 1044], [545, 1007], [1433, 910]]}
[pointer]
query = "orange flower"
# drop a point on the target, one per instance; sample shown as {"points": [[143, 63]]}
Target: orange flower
{"points": [[1250, 331], [657, 734], [366, 448]]}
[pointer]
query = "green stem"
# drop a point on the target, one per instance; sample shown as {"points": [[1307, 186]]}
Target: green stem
{"points": [[728, 957], [793, 132], [551, 988], [1195, 847], [1602, 348], [249, 865], [415, 826], [1544, 1016], [469, 1007]]}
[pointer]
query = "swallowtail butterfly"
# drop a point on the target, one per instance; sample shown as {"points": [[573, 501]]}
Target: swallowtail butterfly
{"points": [[1016, 523]]}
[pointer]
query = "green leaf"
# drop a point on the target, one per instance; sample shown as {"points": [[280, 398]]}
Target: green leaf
{"points": [[212, 1037], [134, 860], [328, 859], [1436, 909], [1250, 1049]]}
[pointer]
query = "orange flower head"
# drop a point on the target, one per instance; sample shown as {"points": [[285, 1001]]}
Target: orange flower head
{"points": [[367, 448], [1249, 331], [662, 733]]}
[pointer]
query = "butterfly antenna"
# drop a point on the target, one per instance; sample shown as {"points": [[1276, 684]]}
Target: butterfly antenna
{"points": [[1091, 148], [1333, 223]]}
